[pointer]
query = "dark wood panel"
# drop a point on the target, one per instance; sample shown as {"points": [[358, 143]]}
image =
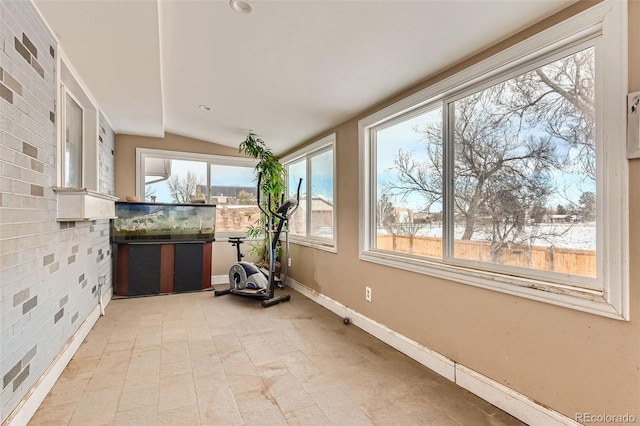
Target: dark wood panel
{"points": [[167, 262], [188, 267], [206, 265], [144, 269], [122, 270]]}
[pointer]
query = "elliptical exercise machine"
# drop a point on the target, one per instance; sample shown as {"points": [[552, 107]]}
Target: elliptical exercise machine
{"points": [[245, 278]]}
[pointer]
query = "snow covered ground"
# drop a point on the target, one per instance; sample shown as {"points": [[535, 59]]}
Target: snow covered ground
{"points": [[580, 236]]}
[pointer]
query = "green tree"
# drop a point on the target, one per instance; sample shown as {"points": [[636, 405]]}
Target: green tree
{"points": [[272, 186], [587, 203], [246, 197], [385, 215]]}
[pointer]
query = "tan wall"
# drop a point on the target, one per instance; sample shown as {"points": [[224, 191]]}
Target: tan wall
{"points": [[126, 155], [125, 165], [565, 359]]}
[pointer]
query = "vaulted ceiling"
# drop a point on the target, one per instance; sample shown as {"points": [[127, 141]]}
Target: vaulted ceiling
{"points": [[288, 71]]}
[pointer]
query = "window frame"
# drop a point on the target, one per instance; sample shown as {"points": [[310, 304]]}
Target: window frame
{"points": [[68, 82], [607, 23], [321, 146], [449, 257], [208, 159], [64, 92]]}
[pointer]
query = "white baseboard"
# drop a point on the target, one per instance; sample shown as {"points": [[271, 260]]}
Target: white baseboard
{"points": [[503, 397], [32, 400], [219, 279], [507, 399]]}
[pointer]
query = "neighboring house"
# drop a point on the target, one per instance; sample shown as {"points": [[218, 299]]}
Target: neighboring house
{"points": [[321, 216]]}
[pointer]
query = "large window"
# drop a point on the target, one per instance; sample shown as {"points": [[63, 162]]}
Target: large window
{"points": [[498, 176], [314, 221], [178, 177]]}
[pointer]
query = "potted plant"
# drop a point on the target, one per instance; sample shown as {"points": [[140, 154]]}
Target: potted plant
{"points": [[272, 186]]}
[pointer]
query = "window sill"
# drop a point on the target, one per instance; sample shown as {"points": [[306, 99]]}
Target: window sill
{"points": [[82, 204], [319, 245], [590, 301]]}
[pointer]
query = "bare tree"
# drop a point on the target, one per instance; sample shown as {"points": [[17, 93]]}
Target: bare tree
{"points": [[560, 97], [490, 161], [508, 140], [182, 189], [149, 192]]}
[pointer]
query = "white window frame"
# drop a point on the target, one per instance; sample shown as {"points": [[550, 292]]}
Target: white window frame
{"points": [[208, 159], [63, 118], [68, 82], [306, 154], [611, 297]]}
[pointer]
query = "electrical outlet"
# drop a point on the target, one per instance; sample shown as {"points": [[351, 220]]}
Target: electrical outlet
{"points": [[367, 294], [289, 262]]}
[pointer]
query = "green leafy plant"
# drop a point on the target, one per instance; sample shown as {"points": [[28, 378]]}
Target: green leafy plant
{"points": [[272, 184]]}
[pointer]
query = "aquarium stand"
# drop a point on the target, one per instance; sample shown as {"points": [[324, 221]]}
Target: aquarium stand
{"points": [[143, 269], [162, 248]]}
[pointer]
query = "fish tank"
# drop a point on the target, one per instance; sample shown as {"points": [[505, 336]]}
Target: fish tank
{"points": [[140, 221]]}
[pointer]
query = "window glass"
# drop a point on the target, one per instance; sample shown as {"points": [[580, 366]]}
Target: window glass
{"points": [[295, 172], [534, 173], [233, 190], [73, 143], [174, 181], [409, 158], [322, 195], [313, 223], [525, 170]]}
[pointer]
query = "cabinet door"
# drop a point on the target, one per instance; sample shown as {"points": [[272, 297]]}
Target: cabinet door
{"points": [[144, 269], [188, 267]]}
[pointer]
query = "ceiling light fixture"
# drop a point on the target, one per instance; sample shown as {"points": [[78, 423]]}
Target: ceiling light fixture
{"points": [[205, 107], [241, 6]]}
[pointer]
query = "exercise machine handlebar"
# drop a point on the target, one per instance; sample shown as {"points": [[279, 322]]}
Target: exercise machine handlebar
{"points": [[271, 212]]}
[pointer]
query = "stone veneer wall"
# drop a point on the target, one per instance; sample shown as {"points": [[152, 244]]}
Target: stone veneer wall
{"points": [[48, 270]]}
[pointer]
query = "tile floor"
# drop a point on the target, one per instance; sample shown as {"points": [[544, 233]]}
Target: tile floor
{"points": [[192, 359]]}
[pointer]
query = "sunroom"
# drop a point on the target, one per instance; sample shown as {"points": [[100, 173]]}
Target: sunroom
{"points": [[462, 252]]}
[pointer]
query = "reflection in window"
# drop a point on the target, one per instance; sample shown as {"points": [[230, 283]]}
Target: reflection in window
{"points": [[73, 143], [314, 221], [322, 195], [297, 171]]}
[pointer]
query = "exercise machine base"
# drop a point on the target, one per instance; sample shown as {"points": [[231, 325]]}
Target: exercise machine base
{"points": [[255, 294]]}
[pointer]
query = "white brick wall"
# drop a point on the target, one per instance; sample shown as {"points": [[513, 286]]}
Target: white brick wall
{"points": [[48, 270]]}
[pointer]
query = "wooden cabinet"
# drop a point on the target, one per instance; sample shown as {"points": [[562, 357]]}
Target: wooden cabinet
{"points": [[155, 268]]}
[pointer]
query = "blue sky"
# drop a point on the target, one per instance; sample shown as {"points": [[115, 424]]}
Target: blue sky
{"points": [[220, 175], [403, 136], [245, 176]]}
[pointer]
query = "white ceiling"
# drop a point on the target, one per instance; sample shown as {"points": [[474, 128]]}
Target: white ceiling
{"points": [[288, 71]]}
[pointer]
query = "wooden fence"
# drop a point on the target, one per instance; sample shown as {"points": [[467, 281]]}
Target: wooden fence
{"points": [[562, 260]]}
